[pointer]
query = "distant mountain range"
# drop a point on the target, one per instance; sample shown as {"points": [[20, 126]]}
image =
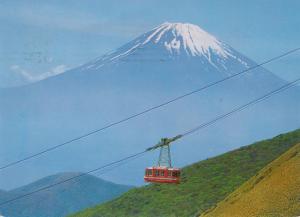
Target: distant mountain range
{"points": [[60, 200], [210, 181], [165, 62]]}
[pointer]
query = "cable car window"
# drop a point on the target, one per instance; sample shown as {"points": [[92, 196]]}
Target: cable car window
{"points": [[169, 173], [162, 173], [150, 172], [175, 174], [156, 173]]}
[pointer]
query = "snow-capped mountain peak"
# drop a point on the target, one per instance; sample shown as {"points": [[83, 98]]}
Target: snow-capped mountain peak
{"points": [[177, 37], [172, 41]]}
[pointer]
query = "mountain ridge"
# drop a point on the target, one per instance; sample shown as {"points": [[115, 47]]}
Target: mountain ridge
{"points": [[62, 199]]}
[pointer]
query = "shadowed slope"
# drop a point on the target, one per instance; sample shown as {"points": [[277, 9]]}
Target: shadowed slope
{"points": [[62, 199]]}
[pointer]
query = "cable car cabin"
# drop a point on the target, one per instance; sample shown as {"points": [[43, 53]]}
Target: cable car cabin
{"points": [[164, 172], [161, 174]]}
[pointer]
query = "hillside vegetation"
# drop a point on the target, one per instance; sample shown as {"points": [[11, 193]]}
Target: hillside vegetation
{"points": [[204, 184], [273, 192]]}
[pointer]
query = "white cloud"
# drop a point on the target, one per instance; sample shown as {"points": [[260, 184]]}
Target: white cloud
{"points": [[33, 78], [22, 72], [58, 69]]}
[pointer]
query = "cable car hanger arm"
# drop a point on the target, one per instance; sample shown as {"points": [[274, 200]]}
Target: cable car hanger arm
{"points": [[164, 142]]}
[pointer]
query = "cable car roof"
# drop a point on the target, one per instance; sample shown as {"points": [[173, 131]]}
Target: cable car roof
{"points": [[162, 167]]}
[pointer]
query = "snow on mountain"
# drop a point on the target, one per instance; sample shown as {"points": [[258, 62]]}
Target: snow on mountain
{"points": [[173, 40], [188, 37]]}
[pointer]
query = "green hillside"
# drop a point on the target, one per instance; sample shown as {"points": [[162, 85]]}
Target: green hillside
{"points": [[204, 184]]}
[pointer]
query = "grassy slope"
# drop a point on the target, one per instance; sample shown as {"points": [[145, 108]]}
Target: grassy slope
{"points": [[274, 191], [204, 184]]}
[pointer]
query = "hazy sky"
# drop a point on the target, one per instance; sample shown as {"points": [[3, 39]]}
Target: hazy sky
{"points": [[43, 38], [40, 38]]}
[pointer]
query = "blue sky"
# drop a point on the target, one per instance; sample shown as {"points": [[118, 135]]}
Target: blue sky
{"points": [[39, 38]]}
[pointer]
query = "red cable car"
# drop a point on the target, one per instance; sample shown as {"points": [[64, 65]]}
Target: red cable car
{"points": [[162, 175], [164, 172]]}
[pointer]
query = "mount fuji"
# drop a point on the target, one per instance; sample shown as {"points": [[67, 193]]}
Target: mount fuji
{"points": [[167, 61], [173, 41]]}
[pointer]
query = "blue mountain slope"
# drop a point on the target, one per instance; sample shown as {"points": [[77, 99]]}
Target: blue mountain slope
{"points": [[60, 200], [3, 195], [161, 64]]}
